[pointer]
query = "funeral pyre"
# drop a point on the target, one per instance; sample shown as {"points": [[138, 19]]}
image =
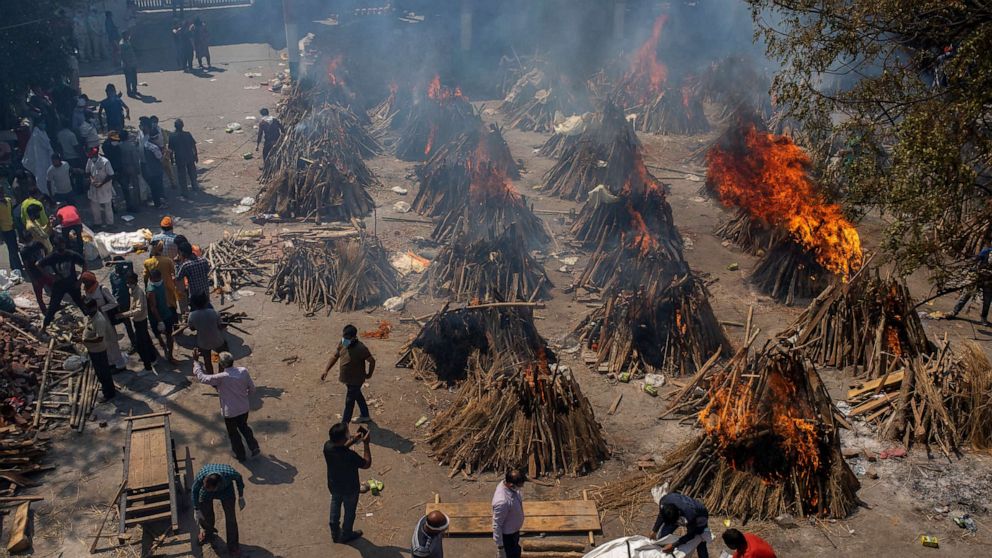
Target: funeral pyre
{"points": [[806, 240], [543, 96], [770, 446], [435, 120]]}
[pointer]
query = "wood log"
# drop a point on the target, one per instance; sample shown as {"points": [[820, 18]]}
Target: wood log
{"points": [[20, 534]]}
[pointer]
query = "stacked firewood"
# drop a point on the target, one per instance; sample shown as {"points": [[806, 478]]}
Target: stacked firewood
{"points": [[238, 261], [771, 446], [339, 274], [787, 272], [434, 121], [540, 97], [748, 233], [567, 134], [470, 268], [317, 168], [668, 329], [602, 155], [673, 111], [390, 114]]}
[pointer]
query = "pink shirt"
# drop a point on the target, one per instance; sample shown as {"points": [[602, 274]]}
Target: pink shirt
{"points": [[234, 386]]}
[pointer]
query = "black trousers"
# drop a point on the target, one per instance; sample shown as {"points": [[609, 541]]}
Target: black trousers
{"points": [[10, 239], [187, 173], [155, 185], [206, 508], [59, 290], [236, 428], [353, 396], [131, 80], [101, 366], [143, 343], [511, 544]]}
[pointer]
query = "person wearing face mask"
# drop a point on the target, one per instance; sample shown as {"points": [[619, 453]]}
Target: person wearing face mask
{"points": [[508, 514], [352, 354]]}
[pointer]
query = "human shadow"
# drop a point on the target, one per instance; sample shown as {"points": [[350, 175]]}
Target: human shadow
{"points": [[269, 469], [147, 99], [371, 550], [264, 392], [247, 550], [388, 439]]}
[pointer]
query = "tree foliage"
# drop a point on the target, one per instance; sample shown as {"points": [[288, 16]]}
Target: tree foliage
{"points": [[916, 149], [36, 42]]}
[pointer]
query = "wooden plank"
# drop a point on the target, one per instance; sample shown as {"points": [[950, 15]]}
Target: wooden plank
{"points": [[546, 517], [20, 539], [549, 508], [161, 493], [532, 524], [873, 404], [149, 518], [149, 415], [893, 379]]}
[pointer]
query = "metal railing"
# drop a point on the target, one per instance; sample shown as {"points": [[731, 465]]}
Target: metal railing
{"points": [[176, 4]]}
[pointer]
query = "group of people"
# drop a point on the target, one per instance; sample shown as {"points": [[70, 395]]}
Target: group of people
{"points": [[192, 41]]}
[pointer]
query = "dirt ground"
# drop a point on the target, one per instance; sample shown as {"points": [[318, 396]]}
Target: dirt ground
{"points": [[287, 498]]}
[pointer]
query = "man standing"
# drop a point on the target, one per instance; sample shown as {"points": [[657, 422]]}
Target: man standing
{"points": [[747, 545], [428, 536], [107, 305], [167, 270], [167, 237], [206, 322], [114, 108], [983, 283], [163, 316], [94, 331], [7, 230], [68, 220], [101, 192], [72, 154], [59, 177], [217, 482], [342, 479], [675, 508], [508, 514], [353, 354], [129, 171], [269, 131], [151, 168], [160, 137], [193, 270], [138, 314], [63, 263], [234, 385], [201, 42], [184, 155], [119, 287], [129, 64]]}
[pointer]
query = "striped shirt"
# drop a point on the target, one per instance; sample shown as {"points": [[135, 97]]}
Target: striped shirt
{"points": [[168, 240], [196, 272], [225, 489]]}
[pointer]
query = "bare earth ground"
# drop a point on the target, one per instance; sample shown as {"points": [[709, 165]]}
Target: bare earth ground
{"points": [[286, 492]]}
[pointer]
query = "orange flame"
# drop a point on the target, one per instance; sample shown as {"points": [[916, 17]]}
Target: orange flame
{"points": [[769, 180], [491, 186], [439, 92], [332, 67], [647, 75]]}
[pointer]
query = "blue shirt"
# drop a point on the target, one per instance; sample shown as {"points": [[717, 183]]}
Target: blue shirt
{"points": [[114, 107], [229, 478]]}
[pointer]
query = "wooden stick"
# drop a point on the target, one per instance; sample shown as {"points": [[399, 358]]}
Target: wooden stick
{"points": [[106, 514], [44, 380]]}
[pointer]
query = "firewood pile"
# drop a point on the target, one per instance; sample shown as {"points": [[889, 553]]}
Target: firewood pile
{"points": [[490, 206], [341, 275], [500, 268], [748, 233], [518, 407], [566, 134], [677, 111], [770, 446], [445, 176], [238, 261], [788, 272], [317, 169], [604, 154], [542, 96], [452, 336], [434, 121], [389, 116]]}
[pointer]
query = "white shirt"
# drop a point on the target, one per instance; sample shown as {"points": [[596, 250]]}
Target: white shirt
{"points": [[99, 169], [89, 134], [58, 179]]}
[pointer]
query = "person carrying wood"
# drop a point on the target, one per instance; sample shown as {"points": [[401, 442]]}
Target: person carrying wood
{"points": [[747, 545], [343, 464], [508, 514], [217, 482], [428, 536], [352, 354], [677, 509], [209, 328]]}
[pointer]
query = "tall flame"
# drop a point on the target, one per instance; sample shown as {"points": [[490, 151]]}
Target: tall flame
{"points": [[332, 67], [647, 75], [439, 92], [768, 178]]}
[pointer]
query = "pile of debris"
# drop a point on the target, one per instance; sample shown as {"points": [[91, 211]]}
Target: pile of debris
{"points": [[238, 261], [434, 121], [317, 168], [771, 446], [336, 274], [541, 97], [806, 241], [604, 154]]}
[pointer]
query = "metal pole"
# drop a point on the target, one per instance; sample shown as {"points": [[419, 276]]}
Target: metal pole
{"points": [[292, 39]]}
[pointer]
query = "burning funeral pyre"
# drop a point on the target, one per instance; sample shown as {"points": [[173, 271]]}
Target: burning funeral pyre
{"points": [[604, 154], [435, 120], [656, 316], [445, 177], [658, 106], [806, 240], [541, 97], [771, 446], [342, 274], [567, 134], [317, 168], [390, 115], [517, 405]]}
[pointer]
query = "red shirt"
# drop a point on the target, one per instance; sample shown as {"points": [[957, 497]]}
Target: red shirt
{"points": [[69, 215], [756, 548]]}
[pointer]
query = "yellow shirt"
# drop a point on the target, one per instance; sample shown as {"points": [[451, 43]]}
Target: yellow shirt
{"points": [[6, 214], [42, 219], [168, 269]]}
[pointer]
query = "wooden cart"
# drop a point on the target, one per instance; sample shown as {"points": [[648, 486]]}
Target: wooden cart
{"points": [[152, 490]]}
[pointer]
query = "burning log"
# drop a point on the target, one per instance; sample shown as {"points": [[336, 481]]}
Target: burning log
{"points": [[341, 274], [788, 272], [771, 446], [519, 407], [669, 330], [485, 269], [446, 176], [434, 121], [607, 152], [540, 97]]}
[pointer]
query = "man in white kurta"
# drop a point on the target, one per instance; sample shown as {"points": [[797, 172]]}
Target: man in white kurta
{"points": [[101, 192]]}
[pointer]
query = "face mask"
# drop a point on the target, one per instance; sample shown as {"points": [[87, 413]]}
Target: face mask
{"points": [[346, 342]]}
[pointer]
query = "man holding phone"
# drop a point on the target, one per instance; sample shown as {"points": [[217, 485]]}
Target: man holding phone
{"points": [[343, 464]]}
